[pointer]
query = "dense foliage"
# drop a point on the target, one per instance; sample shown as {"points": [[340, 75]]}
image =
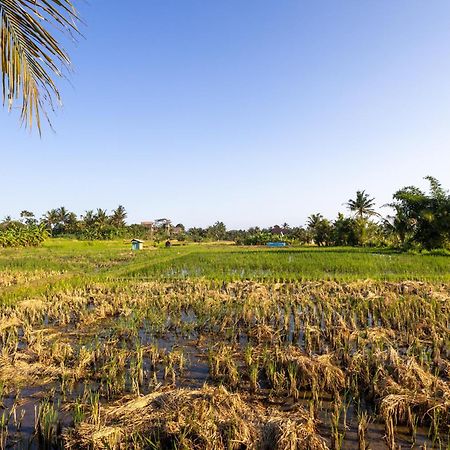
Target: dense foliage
{"points": [[17, 234], [419, 220]]}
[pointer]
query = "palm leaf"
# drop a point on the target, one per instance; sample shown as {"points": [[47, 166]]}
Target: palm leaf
{"points": [[31, 57]]}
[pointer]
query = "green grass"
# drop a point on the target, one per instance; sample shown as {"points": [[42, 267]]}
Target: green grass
{"points": [[80, 262], [341, 264], [66, 255]]}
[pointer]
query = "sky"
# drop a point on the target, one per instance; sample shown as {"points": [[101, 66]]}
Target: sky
{"points": [[251, 112]]}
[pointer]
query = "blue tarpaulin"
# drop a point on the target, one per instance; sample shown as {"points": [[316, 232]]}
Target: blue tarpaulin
{"points": [[276, 244]]}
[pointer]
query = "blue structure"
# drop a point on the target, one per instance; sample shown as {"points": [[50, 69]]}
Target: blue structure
{"points": [[276, 244], [137, 244]]}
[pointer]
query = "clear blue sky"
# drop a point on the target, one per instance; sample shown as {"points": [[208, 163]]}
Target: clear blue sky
{"points": [[252, 112]]}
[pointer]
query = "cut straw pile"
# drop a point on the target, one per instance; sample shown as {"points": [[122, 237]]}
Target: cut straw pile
{"points": [[209, 418]]}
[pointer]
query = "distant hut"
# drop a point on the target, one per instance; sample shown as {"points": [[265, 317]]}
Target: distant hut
{"points": [[137, 244]]}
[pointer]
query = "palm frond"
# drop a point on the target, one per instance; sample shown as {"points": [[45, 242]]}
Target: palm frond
{"points": [[31, 57]]}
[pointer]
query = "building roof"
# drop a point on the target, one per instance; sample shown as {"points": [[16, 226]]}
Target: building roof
{"points": [[137, 240]]}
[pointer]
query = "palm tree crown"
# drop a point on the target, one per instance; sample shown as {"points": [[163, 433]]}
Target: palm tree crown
{"points": [[30, 56], [362, 205], [314, 220], [118, 216]]}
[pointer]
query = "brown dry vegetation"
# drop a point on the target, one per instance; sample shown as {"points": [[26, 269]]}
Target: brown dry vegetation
{"points": [[207, 418], [14, 277], [207, 365]]}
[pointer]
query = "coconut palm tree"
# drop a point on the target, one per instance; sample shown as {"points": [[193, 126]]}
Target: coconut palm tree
{"points": [[63, 215], [320, 229], [31, 57], [314, 220], [51, 218], [88, 218], [101, 218], [362, 206], [118, 217], [28, 217]]}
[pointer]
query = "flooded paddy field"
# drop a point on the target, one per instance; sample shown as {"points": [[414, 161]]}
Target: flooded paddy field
{"points": [[227, 365]]}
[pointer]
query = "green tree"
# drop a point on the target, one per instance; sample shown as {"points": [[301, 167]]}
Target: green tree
{"points": [[197, 234], [101, 218], [71, 224], [28, 217], [399, 225], [314, 220], [50, 219], [61, 218], [425, 218], [362, 206], [162, 227], [300, 234], [218, 231], [344, 231], [118, 217], [321, 229], [88, 219], [63, 214]]}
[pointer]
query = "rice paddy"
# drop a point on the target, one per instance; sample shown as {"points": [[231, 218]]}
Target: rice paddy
{"points": [[223, 348]]}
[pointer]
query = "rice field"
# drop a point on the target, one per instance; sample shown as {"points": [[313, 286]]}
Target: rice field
{"points": [[297, 264], [223, 348]]}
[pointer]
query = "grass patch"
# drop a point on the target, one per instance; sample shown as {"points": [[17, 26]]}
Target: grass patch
{"points": [[339, 264], [63, 263]]}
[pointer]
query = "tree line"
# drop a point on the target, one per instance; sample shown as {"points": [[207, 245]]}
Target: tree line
{"points": [[418, 220]]}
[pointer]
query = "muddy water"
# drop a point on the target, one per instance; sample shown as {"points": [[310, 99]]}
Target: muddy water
{"points": [[21, 406], [195, 375]]}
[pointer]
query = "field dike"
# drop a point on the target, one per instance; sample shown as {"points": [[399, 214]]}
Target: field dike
{"points": [[239, 365]]}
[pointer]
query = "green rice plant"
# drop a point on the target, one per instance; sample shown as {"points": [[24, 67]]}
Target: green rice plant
{"points": [[293, 382], [94, 402], [47, 426], [4, 431], [78, 413], [223, 366], [385, 342], [293, 264], [249, 356], [271, 371], [253, 376], [435, 427], [337, 436]]}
